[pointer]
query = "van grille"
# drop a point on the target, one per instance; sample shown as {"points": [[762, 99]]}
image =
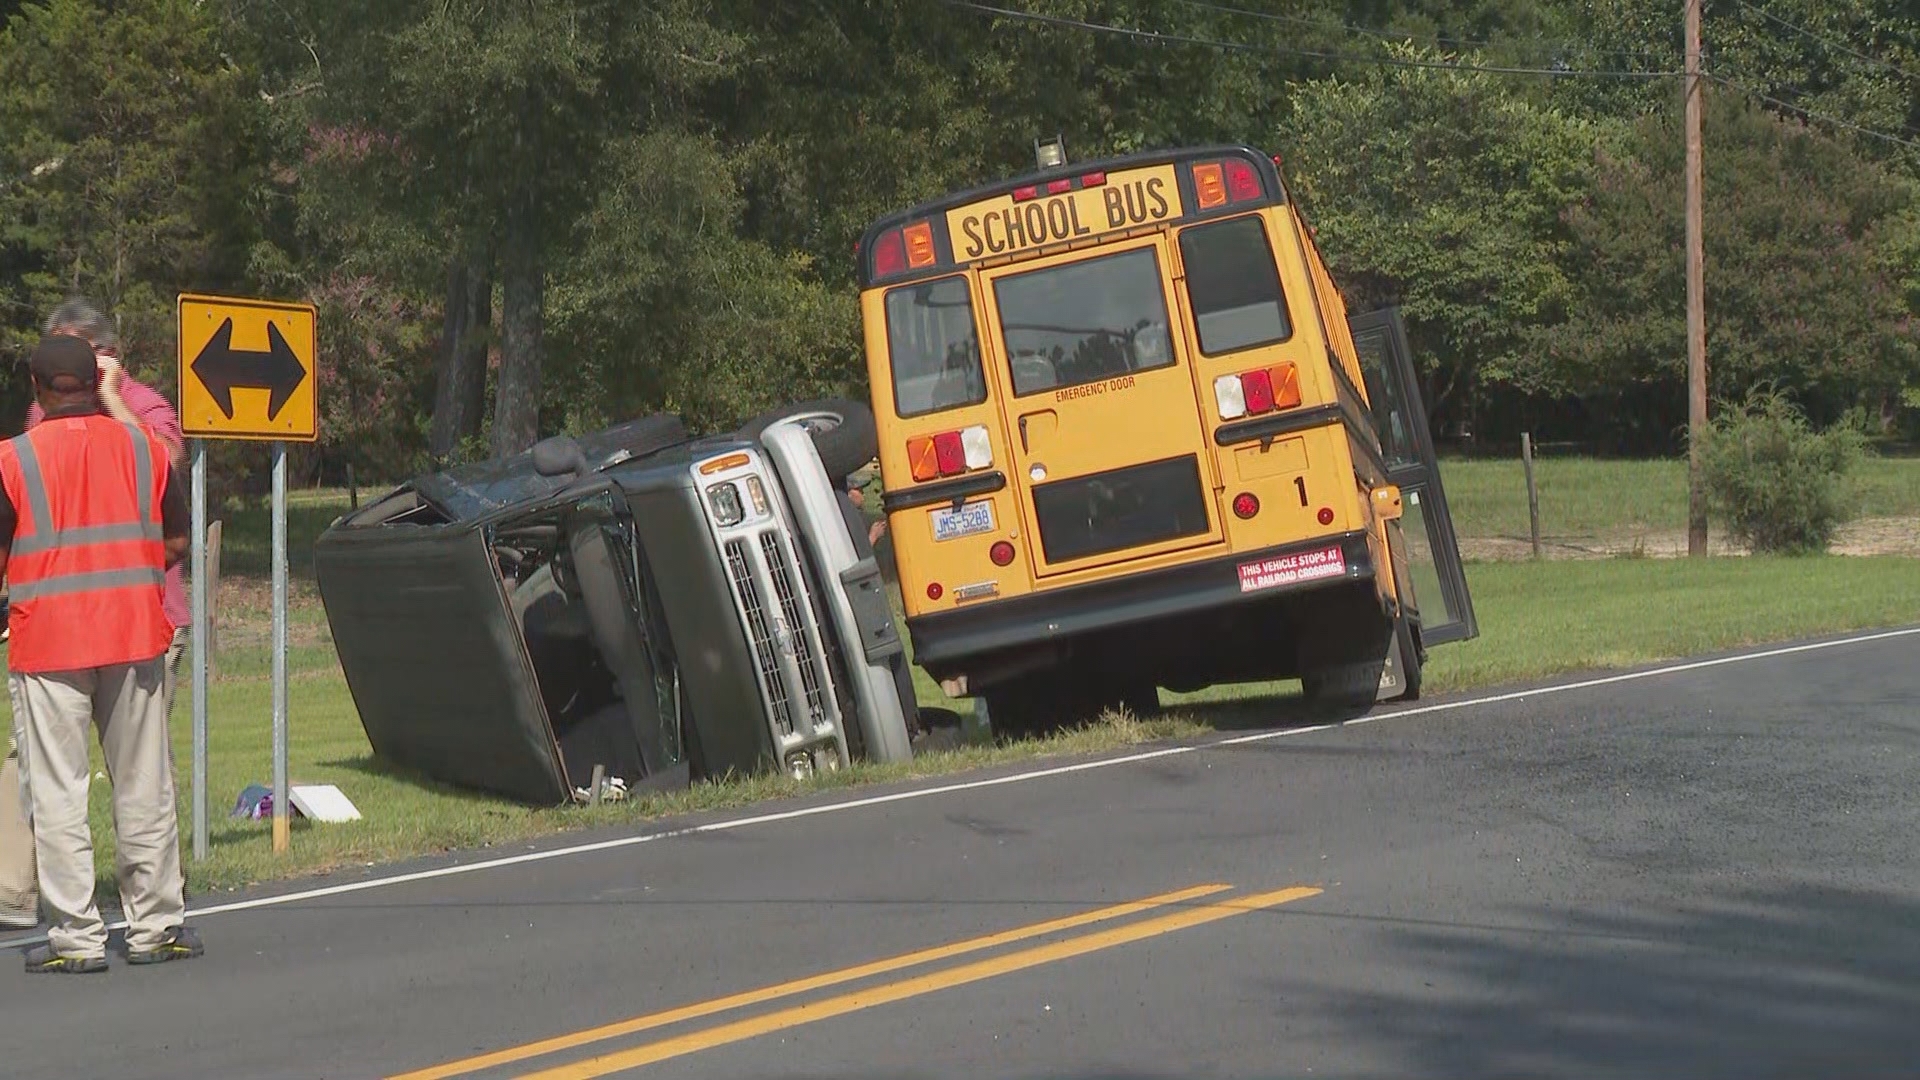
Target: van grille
{"points": [[766, 651], [781, 568]]}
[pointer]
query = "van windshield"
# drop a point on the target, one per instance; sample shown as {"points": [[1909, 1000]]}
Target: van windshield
{"points": [[1084, 321]]}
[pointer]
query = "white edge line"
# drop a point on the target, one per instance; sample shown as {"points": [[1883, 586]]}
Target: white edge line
{"points": [[996, 781]]}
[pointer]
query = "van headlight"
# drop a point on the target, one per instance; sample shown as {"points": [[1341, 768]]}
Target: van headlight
{"points": [[723, 500]]}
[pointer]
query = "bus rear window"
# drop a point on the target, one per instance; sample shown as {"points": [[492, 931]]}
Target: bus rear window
{"points": [[1234, 286], [1084, 321], [933, 348]]}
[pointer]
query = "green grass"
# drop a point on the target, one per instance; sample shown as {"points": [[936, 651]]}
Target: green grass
{"points": [[1587, 497], [1537, 619]]}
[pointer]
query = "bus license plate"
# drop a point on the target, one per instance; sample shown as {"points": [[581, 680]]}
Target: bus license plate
{"points": [[968, 520], [1292, 569]]}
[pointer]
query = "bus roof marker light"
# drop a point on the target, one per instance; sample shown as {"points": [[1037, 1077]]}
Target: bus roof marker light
{"points": [[1050, 153], [919, 239], [1059, 187], [1094, 179], [1027, 193]]}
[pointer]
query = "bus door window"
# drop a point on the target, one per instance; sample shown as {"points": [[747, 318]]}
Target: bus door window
{"points": [[933, 347]]}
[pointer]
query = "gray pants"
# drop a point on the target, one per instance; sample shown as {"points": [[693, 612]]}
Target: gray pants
{"points": [[126, 703], [19, 885]]}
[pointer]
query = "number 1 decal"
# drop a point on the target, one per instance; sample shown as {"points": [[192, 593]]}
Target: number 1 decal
{"points": [[1300, 485]]}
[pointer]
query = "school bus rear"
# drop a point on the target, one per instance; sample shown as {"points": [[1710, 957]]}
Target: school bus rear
{"points": [[1121, 424]]}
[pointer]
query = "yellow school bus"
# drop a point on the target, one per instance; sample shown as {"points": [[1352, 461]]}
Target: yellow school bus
{"points": [[1130, 439]]}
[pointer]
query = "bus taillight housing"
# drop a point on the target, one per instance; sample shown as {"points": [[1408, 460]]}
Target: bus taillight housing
{"points": [[1257, 392], [949, 453], [1226, 182]]}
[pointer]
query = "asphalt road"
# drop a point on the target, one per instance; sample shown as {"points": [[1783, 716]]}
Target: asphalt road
{"points": [[1707, 873]]}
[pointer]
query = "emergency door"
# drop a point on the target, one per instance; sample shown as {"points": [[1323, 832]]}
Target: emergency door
{"points": [[1399, 416], [1110, 454]]}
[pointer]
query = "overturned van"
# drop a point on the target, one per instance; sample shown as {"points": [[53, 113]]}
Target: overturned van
{"points": [[654, 606]]}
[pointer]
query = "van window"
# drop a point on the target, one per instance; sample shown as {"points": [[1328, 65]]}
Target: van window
{"points": [[1234, 286], [933, 347], [1084, 321]]}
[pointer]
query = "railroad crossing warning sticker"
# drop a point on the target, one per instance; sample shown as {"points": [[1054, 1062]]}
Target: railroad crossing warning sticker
{"points": [[1272, 573]]}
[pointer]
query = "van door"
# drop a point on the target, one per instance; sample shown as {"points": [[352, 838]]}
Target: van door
{"points": [[1110, 451], [1400, 417]]}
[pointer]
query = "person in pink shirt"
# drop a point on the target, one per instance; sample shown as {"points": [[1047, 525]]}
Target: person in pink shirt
{"points": [[131, 402]]}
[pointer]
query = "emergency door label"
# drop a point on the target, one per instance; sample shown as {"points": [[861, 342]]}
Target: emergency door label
{"points": [[1292, 569]]}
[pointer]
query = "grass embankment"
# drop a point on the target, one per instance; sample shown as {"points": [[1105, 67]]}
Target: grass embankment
{"points": [[1536, 619]]}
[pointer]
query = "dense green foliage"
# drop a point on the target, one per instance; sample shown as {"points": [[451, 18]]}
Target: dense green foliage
{"points": [[1779, 486], [520, 218]]}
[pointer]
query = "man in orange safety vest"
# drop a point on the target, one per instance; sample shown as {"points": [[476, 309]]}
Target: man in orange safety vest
{"points": [[90, 519]]}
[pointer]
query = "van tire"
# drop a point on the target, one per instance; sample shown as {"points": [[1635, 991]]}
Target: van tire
{"points": [[843, 432]]}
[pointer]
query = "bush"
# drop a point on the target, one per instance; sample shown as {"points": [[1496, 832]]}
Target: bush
{"points": [[1776, 484]]}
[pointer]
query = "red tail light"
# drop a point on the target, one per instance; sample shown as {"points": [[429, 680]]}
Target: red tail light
{"points": [[1243, 184], [1258, 387], [1001, 553], [1245, 505], [948, 454], [889, 254]]}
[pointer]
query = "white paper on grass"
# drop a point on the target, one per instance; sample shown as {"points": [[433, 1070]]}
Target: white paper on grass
{"points": [[322, 802]]}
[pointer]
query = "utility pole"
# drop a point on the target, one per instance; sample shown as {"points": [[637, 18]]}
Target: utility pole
{"points": [[1696, 298]]}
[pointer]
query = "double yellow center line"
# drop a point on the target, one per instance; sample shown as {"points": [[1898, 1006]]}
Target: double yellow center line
{"points": [[885, 993]]}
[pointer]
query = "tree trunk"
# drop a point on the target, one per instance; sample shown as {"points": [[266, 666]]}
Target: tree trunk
{"points": [[516, 412], [460, 378]]}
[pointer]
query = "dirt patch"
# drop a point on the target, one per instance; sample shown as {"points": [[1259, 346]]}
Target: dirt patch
{"points": [[1867, 536]]}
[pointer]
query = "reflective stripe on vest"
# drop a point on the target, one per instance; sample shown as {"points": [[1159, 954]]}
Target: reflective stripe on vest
{"points": [[36, 542]]}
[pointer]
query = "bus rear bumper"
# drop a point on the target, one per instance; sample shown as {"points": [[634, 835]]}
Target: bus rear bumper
{"points": [[945, 642]]}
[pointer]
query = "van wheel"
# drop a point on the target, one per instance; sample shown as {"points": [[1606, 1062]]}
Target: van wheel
{"points": [[842, 430]]}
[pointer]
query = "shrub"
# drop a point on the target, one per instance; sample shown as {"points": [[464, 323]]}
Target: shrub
{"points": [[1776, 484]]}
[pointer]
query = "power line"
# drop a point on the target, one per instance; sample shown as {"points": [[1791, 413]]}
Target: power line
{"points": [[1279, 50], [1812, 115], [1828, 42], [1392, 35]]}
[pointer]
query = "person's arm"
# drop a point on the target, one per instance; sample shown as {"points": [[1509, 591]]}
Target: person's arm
{"points": [[148, 408], [8, 520], [111, 376], [176, 520]]}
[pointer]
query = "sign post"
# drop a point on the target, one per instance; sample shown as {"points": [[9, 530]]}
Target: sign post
{"points": [[247, 372]]}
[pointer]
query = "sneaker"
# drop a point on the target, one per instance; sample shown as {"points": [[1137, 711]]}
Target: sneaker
{"points": [[181, 944], [12, 918], [42, 960]]}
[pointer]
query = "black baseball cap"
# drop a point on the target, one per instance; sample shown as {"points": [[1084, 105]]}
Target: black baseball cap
{"points": [[64, 363]]}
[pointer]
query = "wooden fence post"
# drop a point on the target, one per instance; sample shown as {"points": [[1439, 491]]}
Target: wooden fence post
{"points": [[1533, 493]]}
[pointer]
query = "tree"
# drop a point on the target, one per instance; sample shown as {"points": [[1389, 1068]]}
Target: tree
{"points": [[1442, 192], [127, 166], [1802, 291]]}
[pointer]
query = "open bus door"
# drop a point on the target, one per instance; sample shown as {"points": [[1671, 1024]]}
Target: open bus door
{"points": [[1400, 417]]}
